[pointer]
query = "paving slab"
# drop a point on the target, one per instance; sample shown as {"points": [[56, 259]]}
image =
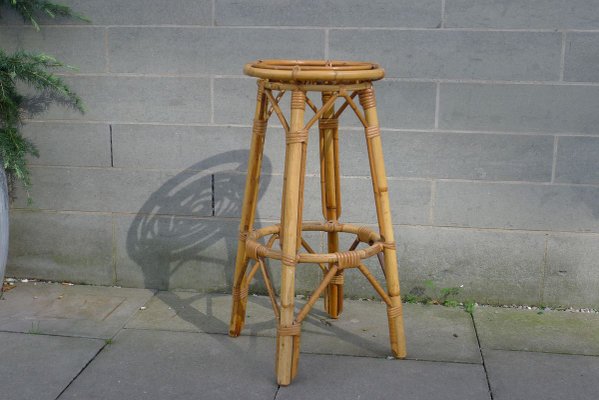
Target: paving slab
{"points": [[515, 375], [551, 331], [339, 377], [433, 332], [198, 312], [77, 310], [141, 364], [40, 367]]}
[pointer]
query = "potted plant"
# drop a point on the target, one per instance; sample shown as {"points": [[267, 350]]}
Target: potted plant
{"points": [[35, 71]]}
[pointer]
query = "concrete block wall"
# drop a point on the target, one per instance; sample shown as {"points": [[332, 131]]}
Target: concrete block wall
{"points": [[490, 127]]}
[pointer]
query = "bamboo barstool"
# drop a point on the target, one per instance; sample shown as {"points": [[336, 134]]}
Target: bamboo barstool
{"points": [[335, 80]]}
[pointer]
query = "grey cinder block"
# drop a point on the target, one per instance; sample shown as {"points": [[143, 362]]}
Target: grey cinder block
{"points": [[577, 160], [517, 206], [81, 47], [451, 155], [88, 144], [405, 104], [404, 13], [488, 266], [582, 57], [169, 252], [546, 14], [179, 147], [132, 99], [120, 190], [454, 54], [229, 188], [131, 12], [71, 247], [235, 101], [206, 50], [409, 201], [519, 108]]}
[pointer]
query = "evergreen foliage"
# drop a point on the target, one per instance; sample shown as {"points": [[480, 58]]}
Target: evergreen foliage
{"points": [[29, 9], [35, 71]]}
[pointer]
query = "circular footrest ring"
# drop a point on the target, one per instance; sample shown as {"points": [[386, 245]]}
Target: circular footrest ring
{"points": [[345, 259]]}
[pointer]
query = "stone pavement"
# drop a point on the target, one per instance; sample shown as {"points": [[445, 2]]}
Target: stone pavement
{"points": [[85, 342]]}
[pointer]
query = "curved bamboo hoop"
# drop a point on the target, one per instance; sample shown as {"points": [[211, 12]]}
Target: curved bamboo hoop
{"points": [[329, 71], [376, 243]]}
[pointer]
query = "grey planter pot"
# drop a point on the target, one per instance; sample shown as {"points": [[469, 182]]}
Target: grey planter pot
{"points": [[3, 223]]}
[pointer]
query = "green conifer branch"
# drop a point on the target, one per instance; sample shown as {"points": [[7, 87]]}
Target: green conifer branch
{"points": [[29, 9], [37, 72]]}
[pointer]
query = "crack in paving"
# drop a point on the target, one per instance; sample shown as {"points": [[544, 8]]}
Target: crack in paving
{"points": [[482, 357], [80, 372], [277, 392]]}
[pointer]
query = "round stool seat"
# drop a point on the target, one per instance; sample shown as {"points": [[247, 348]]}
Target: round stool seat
{"points": [[314, 71]]}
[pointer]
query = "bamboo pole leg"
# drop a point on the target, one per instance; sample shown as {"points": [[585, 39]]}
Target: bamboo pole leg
{"points": [[291, 219], [379, 183], [248, 211], [331, 199]]}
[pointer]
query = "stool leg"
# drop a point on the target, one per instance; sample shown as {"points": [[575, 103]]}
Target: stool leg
{"points": [[291, 219], [248, 211], [379, 183], [331, 198]]}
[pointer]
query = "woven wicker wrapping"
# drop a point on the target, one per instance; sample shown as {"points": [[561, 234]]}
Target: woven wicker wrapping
{"points": [[367, 98], [372, 131], [259, 127], [394, 312], [365, 234], [254, 249], [346, 259], [241, 293], [288, 260], [332, 123], [300, 136], [337, 280], [298, 100], [389, 245], [293, 330]]}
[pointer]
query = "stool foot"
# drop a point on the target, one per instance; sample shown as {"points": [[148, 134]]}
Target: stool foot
{"points": [[238, 310], [288, 353], [396, 328]]}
